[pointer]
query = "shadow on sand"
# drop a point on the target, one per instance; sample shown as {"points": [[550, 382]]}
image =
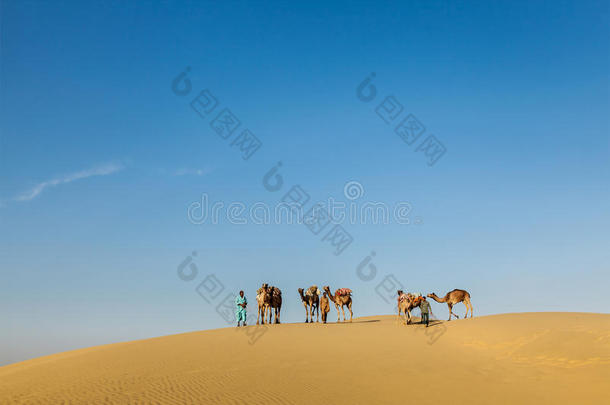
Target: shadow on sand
{"points": [[348, 322], [433, 322]]}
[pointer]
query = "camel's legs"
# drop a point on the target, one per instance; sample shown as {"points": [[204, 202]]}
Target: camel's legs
{"points": [[338, 313], [351, 314], [343, 310], [404, 315], [451, 312], [306, 313], [468, 305]]}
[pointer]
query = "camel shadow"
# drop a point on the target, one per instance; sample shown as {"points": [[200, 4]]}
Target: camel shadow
{"points": [[348, 322]]}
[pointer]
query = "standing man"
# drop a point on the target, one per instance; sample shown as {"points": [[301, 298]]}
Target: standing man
{"points": [[240, 312], [324, 307], [425, 311]]}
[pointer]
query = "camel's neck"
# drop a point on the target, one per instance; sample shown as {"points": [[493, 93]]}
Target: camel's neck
{"points": [[330, 296], [302, 296], [437, 299]]}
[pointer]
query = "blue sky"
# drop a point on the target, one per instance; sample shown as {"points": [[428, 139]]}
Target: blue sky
{"points": [[101, 160]]}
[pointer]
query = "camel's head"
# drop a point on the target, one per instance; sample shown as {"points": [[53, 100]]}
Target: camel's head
{"points": [[300, 291], [264, 286], [431, 295], [399, 292], [326, 288]]}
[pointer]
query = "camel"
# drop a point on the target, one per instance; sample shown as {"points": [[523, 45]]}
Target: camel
{"points": [[311, 302], [263, 298], [324, 307], [403, 302], [276, 303], [406, 303], [341, 301], [455, 297]]}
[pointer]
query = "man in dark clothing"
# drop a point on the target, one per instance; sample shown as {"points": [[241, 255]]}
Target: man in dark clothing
{"points": [[425, 311]]}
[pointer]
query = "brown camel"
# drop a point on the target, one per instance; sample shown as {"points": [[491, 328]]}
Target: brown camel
{"points": [[455, 297], [340, 301], [406, 303], [324, 306], [263, 298], [275, 304], [311, 302]]}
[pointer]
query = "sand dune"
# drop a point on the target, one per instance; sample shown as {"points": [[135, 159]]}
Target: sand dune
{"points": [[514, 358]]}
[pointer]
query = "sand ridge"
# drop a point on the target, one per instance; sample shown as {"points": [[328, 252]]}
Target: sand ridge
{"points": [[511, 358]]}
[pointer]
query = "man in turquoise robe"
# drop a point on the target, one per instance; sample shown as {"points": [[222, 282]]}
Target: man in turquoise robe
{"points": [[240, 312]]}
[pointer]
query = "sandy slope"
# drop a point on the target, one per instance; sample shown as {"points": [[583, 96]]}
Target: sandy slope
{"points": [[513, 358]]}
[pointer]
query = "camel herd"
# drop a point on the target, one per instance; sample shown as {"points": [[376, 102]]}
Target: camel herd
{"points": [[316, 300], [408, 302], [269, 300]]}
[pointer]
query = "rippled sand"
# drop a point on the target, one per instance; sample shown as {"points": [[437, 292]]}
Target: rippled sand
{"points": [[538, 358]]}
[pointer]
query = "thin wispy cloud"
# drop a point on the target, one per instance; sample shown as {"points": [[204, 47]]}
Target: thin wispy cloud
{"points": [[102, 170], [191, 172]]}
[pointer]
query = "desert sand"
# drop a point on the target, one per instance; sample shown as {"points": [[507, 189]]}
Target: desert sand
{"points": [[528, 358]]}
